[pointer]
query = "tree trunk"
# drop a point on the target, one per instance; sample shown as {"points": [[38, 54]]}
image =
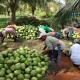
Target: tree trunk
{"points": [[8, 12], [33, 10], [46, 13], [13, 4], [13, 15], [62, 26], [46, 9]]}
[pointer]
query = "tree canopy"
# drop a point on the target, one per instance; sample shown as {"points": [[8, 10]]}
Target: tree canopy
{"points": [[66, 12], [14, 4]]}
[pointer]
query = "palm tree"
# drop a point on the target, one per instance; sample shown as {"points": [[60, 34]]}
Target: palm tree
{"points": [[69, 1], [65, 13], [40, 3]]}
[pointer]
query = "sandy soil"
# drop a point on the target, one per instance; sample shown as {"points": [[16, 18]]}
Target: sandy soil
{"points": [[67, 71]]}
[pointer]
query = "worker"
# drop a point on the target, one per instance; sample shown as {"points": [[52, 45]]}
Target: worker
{"points": [[75, 53], [68, 31], [11, 30], [53, 45]]}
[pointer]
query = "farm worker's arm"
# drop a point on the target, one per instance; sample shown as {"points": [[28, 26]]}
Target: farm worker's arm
{"points": [[44, 47]]}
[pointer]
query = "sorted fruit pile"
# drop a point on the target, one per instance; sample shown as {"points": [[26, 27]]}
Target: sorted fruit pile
{"points": [[27, 32], [22, 64], [76, 35]]}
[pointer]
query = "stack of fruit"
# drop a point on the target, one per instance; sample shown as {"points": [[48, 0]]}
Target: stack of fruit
{"points": [[27, 32], [22, 64], [76, 35]]}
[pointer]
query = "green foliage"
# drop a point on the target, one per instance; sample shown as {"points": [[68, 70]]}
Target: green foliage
{"points": [[30, 20], [3, 22], [40, 12], [69, 1], [2, 8], [27, 20], [13, 5], [55, 24], [65, 14]]}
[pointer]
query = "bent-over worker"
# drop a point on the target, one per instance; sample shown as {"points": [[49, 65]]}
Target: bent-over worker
{"points": [[11, 30], [53, 45]]}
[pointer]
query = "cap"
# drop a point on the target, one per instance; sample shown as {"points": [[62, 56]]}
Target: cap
{"points": [[42, 34]]}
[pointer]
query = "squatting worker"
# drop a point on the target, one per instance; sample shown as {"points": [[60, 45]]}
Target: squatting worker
{"points": [[65, 32], [75, 53], [52, 45], [45, 29], [10, 29]]}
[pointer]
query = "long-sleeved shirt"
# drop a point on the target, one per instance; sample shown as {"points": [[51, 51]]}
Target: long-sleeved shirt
{"points": [[51, 42]]}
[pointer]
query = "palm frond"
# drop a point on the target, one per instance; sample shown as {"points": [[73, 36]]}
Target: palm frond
{"points": [[64, 14], [2, 5]]}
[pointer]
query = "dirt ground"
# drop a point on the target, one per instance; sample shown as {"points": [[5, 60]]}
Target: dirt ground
{"points": [[67, 71], [33, 44]]}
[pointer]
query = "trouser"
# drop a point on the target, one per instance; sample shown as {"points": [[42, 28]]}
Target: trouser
{"points": [[51, 55], [59, 54], [11, 33], [67, 35], [55, 55]]}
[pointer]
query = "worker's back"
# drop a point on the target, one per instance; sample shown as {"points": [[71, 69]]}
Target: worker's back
{"points": [[75, 53]]}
